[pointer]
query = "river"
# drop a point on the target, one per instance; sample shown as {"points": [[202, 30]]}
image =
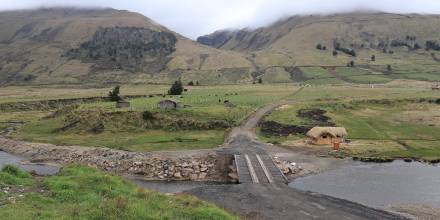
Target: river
{"points": [[40, 169], [378, 185]]}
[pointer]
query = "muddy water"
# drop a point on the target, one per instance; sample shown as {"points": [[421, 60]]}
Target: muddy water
{"points": [[40, 169], [171, 186], [378, 185]]}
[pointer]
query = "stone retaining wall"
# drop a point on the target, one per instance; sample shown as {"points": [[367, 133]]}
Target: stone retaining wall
{"points": [[186, 165]]}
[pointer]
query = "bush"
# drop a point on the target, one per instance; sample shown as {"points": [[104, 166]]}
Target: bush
{"points": [[147, 115], [319, 47], [260, 80], [373, 58], [351, 64], [191, 83], [114, 94], [432, 45], [176, 88], [12, 175]]}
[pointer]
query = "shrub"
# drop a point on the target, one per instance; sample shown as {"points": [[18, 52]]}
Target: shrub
{"points": [[176, 88], [12, 175], [13, 170], [351, 64], [147, 115], [373, 58], [319, 47], [114, 94], [260, 80], [432, 45], [389, 67], [191, 83]]}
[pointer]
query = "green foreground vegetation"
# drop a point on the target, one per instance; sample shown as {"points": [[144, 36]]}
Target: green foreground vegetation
{"points": [[79, 192]]}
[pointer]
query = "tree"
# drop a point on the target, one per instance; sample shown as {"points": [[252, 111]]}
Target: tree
{"points": [[319, 46], [373, 58], [260, 80], [176, 88], [335, 53], [351, 64], [324, 48], [114, 94], [417, 46], [147, 115], [191, 83], [389, 67], [197, 83]]}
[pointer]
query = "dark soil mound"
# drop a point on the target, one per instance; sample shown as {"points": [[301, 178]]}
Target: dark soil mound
{"points": [[272, 128], [317, 117]]}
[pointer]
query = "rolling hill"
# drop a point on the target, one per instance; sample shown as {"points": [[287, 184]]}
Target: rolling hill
{"points": [[409, 44], [82, 46], [71, 45]]}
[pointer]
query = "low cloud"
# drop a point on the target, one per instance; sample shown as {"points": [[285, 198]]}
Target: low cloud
{"points": [[193, 18]]}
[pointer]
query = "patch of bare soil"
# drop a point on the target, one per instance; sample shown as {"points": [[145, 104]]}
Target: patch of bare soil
{"points": [[273, 128], [316, 116]]}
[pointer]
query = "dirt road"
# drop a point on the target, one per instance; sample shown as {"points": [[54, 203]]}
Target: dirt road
{"points": [[259, 201]]}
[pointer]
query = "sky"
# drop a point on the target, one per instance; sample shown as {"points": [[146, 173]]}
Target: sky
{"points": [[193, 18]]}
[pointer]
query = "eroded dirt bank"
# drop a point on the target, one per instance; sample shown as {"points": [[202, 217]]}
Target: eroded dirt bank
{"points": [[201, 165]]}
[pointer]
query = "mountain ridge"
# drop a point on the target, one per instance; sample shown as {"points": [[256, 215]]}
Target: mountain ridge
{"points": [[122, 46]]}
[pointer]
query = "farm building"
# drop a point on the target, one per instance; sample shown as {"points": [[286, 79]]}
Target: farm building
{"points": [[122, 104], [168, 104], [327, 135]]}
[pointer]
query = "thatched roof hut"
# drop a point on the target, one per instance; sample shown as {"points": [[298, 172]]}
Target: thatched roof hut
{"points": [[327, 135]]}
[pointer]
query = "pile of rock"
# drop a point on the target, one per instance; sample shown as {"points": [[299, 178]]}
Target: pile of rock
{"points": [[287, 167], [178, 169], [197, 167]]}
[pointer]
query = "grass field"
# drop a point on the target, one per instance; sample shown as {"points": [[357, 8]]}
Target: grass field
{"points": [[193, 127], [394, 128], [380, 131], [84, 193]]}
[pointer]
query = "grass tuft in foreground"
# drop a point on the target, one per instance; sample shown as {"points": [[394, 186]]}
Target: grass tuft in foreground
{"points": [[79, 192]]}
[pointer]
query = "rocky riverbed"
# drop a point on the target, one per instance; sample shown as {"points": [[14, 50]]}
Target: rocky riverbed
{"points": [[188, 165]]}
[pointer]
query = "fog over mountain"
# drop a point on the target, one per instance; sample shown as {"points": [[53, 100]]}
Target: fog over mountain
{"points": [[193, 18]]}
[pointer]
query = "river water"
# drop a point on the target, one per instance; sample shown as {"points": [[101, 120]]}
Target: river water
{"points": [[375, 185], [378, 185], [40, 169]]}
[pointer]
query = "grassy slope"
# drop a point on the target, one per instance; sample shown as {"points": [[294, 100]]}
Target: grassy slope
{"points": [[292, 42], [84, 193], [44, 59], [205, 106]]}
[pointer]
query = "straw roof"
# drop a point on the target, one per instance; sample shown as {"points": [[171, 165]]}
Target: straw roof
{"points": [[316, 132]]}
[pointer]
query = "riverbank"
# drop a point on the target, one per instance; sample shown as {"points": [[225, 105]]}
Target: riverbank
{"points": [[79, 192], [201, 165]]}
